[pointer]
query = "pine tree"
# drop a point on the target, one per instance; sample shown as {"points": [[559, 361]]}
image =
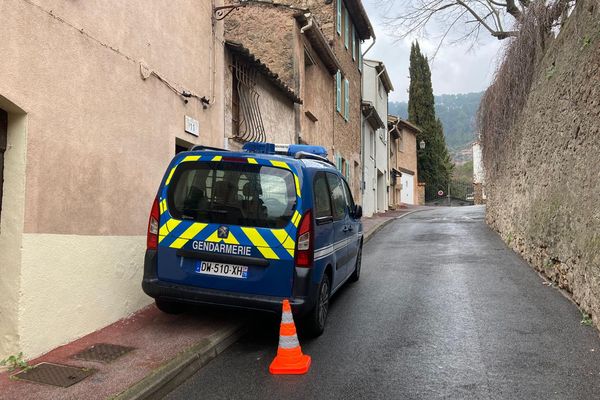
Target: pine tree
{"points": [[433, 163]]}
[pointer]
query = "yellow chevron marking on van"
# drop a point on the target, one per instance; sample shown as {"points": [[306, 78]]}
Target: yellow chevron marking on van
{"points": [[167, 228], [252, 161], [170, 176], [188, 235], [285, 165], [217, 158], [260, 243], [296, 218], [191, 158], [163, 206], [280, 164], [214, 237], [285, 240], [297, 185]]}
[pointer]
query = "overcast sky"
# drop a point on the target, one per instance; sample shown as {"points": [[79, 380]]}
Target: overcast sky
{"points": [[455, 69]]}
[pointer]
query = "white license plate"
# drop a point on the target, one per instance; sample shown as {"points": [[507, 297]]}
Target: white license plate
{"points": [[220, 269]]}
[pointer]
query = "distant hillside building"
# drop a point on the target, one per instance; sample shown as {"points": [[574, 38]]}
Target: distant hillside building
{"points": [[478, 174]]}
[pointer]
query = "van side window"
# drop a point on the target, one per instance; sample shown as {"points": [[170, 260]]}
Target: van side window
{"points": [[338, 200], [322, 200], [349, 198]]}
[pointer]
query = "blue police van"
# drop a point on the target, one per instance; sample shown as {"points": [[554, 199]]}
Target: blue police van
{"points": [[251, 228]]}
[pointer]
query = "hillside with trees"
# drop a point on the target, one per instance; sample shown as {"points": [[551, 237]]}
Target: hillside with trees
{"points": [[457, 112]]}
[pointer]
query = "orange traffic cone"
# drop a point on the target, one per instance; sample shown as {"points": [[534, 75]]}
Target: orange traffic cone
{"points": [[289, 359]]}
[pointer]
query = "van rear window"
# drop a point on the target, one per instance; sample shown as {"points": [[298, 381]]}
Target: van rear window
{"points": [[232, 194]]}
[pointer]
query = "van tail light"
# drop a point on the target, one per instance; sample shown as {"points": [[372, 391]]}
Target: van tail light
{"points": [[304, 243], [152, 242]]}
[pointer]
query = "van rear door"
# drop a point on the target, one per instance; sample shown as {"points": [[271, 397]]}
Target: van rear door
{"points": [[229, 223]]}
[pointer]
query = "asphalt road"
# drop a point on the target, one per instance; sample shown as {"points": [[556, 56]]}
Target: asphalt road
{"points": [[443, 310]]}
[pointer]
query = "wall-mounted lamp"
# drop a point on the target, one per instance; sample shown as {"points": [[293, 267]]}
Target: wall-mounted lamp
{"points": [[422, 144]]}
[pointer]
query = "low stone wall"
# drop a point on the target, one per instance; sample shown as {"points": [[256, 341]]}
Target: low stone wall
{"points": [[543, 195]]}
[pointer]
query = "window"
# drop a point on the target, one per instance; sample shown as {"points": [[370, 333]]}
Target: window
{"points": [[338, 84], [233, 194], [353, 43], [346, 99], [322, 200], [338, 200], [339, 17], [349, 199], [346, 29]]}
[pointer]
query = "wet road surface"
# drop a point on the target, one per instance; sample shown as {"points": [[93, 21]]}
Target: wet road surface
{"points": [[443, 310]]}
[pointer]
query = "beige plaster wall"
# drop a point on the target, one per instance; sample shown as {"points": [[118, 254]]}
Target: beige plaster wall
{"points": [[11, 227], [99, 133], [75, 284], [277, 113], [98, 139]]}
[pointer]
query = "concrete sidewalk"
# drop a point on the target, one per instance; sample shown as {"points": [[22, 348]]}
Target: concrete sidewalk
{"points": [[167, 348]]}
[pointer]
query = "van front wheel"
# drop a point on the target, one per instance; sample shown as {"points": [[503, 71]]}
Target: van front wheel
{"points": [[169, 307]]}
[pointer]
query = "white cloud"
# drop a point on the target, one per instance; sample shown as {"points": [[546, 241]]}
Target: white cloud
{"points": [[457, 68]]}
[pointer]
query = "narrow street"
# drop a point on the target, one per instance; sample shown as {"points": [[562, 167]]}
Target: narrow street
{"points": [[443, 310]]}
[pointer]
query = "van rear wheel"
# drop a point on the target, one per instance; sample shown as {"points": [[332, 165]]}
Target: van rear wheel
{"points": [[356, 274], [169, 307], [314, 322]]}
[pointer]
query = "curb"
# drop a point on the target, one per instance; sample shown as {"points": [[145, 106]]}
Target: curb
{"points": [[173, 373], [379, 227]]}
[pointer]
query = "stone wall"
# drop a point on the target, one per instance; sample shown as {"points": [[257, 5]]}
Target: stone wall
{"points": [[543, 194]]}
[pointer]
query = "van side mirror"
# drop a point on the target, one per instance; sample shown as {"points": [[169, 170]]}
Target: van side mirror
{"points": [[357, 212]]}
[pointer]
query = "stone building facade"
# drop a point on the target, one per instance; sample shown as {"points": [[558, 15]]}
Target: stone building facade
{"points": [[343, 24], [403, 162], [92, 102], [297, 53]]}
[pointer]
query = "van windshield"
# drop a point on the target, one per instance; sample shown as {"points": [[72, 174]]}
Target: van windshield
{"points": [[232, 194]]}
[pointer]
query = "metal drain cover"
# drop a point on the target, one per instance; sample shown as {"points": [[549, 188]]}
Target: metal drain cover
{"points": [[54, 374], [103, 352]]}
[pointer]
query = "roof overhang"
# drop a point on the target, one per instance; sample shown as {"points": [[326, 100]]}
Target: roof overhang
{"points": [[409, 126], [372, 116], [383, 74], [315, 36], [361, 19], [238, 49]]}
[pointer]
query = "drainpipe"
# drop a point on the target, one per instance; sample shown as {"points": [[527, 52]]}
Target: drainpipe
{"points": [[382, 71], [370, 46], [308, 25]]}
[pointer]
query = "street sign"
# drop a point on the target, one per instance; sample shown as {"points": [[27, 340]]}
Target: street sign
{"points": [[440, 192]]}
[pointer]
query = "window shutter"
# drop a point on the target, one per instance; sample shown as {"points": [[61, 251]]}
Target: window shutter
{"points": [[353, 43], [339, 17], [338, 84], [347, 29], [346, 99]]}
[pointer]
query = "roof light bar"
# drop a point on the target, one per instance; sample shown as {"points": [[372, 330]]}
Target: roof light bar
{"points": [[287, 149]]}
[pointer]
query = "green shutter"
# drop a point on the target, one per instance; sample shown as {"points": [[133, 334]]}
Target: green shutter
{"points": [[347, 29], [339, 17], [346, 99], [338, 85], [353, 43]]}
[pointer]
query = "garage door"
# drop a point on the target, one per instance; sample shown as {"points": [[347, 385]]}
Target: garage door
{"points": [[408, 188]]}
